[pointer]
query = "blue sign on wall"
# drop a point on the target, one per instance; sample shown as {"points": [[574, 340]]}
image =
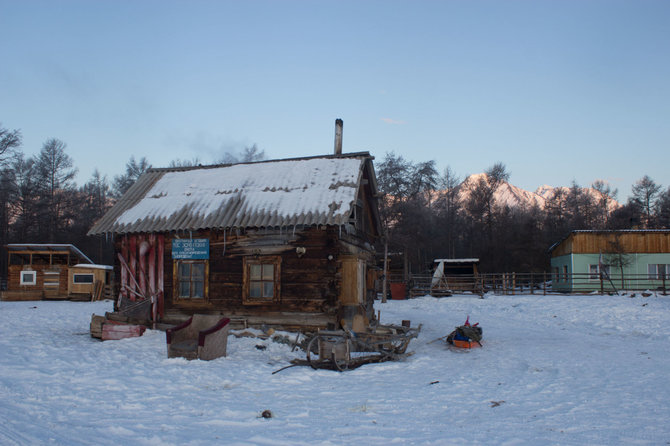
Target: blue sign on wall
{"points": [[190, 249]]}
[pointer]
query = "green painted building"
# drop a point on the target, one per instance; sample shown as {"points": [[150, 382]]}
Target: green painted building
{"points": [[587, 261]]}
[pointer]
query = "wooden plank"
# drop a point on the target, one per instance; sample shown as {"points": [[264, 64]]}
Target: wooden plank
{"points": [[132, 264], [96, 326], [21, 295], [118, 331]]}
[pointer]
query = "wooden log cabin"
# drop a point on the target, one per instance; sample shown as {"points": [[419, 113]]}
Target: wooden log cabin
{"points": [[53, 271], [286, 243]]}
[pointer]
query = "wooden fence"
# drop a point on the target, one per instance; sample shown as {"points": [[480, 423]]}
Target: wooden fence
{"points": [[534, 283]]}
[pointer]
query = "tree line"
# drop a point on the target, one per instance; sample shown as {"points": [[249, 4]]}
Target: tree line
{"points": [[425, 214], [40, 201], [428, 215]]}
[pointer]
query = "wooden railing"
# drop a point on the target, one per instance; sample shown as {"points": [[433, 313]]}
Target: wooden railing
{"points": [[534, 283]]}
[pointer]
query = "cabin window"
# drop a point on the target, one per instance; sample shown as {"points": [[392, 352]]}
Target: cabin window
{"points": [[191, 276], [658, 271], [28, 277], [565, 273], [261, 279], [82, 278]]}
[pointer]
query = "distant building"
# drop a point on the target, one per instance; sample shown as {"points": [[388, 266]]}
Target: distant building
{"points": [[643, 256], [53, 271], [455, 275]]}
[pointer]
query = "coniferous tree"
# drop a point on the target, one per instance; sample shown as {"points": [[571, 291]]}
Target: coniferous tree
{"points": [[55, 173]]}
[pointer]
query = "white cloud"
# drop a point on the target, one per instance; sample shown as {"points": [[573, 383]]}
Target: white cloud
{"points": [[393, 121]]}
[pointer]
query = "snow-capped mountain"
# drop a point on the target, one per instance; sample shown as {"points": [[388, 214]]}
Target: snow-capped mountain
{"points": [[513, 196]]}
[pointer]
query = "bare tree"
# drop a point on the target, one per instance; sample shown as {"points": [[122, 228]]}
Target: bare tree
{"points": [[617, 257], [645, 191], [9, 140], [55, 181], [481, 202], [663, 209], [606, 195], [247, 155], [497, 175], [448, 206], [133, 171], [23, 209], [185, 163]]}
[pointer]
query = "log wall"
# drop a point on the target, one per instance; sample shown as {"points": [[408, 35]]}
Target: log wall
{"points": [[311, 274], [53, 274]]}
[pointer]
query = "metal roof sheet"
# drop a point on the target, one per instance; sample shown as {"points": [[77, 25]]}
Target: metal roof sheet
{"points": [[51, 247], [279, 193]]}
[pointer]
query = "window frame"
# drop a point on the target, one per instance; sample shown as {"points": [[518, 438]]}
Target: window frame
{"points": [[248, 262], [176, 280], [76, 275], [24, 273], [658, 274], [595, 276], [652, 275]]}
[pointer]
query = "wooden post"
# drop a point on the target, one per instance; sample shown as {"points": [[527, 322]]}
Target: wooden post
{"points": [[532, 284], [405, 276], [386, 270], [666, 272], [513, 283], [544, 284]]}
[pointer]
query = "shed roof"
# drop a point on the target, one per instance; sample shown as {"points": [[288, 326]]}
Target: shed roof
{"points": [[56, 248], [278, 193], [473, 260]]}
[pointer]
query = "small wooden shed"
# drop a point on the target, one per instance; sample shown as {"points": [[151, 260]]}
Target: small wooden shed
{"points": [[455, 275], [52, 271], [89, 281], [285, 243]]}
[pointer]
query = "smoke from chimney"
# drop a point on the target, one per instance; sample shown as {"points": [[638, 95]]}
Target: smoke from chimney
{"points": [[338, 136]]}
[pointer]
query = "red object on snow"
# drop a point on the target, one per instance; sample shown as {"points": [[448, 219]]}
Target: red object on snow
{"points": [[112, 331]]}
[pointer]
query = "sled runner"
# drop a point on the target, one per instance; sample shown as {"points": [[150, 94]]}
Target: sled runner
{"points": [[344, 349]]}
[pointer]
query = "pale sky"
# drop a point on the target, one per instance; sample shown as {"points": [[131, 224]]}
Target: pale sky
{"points": [[556, 90]]}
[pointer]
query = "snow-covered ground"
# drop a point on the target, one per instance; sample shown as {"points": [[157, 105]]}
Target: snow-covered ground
{"points": [[566, 370]]}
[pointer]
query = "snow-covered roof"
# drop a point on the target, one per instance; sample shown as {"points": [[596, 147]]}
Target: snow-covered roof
{"points": [[93, 266], [50, 247], [456, 260], [279, 193]]}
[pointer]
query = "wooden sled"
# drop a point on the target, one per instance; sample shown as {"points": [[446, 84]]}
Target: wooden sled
{"points": [[345, 350]]}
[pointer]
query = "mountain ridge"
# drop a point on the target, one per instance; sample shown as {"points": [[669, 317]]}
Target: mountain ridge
{"points": [[513, 196]]}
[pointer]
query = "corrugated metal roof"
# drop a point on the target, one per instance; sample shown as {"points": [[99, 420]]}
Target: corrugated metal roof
{"points": [[279, 193]]}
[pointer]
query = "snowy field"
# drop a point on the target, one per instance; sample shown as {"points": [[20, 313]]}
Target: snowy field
{"points": [[559, 370]]}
